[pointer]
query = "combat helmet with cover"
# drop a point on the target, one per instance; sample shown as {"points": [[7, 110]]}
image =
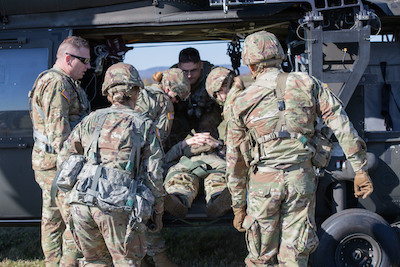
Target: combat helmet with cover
{"points": [[121, 77], [261, 47], [216, 79], [177, 82]]}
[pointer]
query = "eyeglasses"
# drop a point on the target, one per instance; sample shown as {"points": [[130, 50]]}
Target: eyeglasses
{"points": [[84, 60]]}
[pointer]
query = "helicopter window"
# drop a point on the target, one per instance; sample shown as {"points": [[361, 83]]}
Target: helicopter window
{"points": [[18, 71]]}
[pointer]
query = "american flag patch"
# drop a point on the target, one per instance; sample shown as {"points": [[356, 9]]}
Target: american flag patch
{"points": [[170, 116], [65, 94]]}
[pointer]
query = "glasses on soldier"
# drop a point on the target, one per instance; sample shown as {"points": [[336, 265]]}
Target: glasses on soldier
{"points": [[84, 60]]}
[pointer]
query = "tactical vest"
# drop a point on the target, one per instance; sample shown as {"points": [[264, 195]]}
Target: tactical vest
{"points": [[111, 189], [296, 117], [42, 140]]}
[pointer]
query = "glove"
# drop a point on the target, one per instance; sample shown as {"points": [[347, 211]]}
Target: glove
{"points": [[156, 218], [362, 184], [240, 213], [194, 150]]}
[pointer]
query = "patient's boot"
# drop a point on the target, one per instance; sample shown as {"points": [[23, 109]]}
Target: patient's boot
{"points": [[219, 205], [174, 206]]}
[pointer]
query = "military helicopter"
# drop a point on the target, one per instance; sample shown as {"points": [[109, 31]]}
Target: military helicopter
{"points": [[352, 45]]}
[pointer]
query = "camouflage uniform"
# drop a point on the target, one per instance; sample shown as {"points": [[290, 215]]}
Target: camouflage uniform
{"points": [[153, 102], [156, 104], [280, 183], [100, 234], [181, 179], [198, 113], [57, 104]]}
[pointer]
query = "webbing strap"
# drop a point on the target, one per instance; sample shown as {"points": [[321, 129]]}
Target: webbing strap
{"points": [[282, 130], [280, 92], [91, 192], [42, 142], [195, 167], [95, 138]]}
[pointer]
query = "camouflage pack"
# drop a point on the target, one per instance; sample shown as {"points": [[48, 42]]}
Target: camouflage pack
{"points": [[67, 175], [113, 191]]}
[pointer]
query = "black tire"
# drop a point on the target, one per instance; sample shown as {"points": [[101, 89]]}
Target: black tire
{"points": [[356, 237]]}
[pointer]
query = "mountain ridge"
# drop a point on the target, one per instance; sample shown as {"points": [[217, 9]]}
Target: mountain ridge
{"points": [[147, 74]]}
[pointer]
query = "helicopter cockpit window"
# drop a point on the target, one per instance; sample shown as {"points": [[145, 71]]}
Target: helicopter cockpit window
{"points": [[18, 71]]}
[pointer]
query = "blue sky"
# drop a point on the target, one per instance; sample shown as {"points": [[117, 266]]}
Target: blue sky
{"points": [[145, 56]]}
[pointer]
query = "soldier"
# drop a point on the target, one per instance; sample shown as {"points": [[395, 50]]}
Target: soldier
{"points": [[269, 159], [223, 87], [57, 104], [124, 143], [156, 101], [202, 158], [199, 112]]}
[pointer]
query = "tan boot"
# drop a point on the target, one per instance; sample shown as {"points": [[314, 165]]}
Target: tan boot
{"points": [[220, 205], [174, 206], [161, 260]]}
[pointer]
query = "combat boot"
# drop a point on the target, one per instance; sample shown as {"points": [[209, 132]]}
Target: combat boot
{"points": [[220, 205], [174, 206], [161, 260], [145, 262]]}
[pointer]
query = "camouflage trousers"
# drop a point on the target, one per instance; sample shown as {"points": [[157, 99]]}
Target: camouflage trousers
{"points": [[280, 222], [155, 243], [57, 242], [183, 180], [104, 238]]}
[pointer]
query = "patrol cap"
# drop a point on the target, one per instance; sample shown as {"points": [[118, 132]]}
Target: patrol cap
{"points": [[121, 75], [215, 80], [177, 82], [261, 47]]}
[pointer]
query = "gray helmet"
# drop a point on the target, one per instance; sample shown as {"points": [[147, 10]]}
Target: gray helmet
{"points": [[261, 47], [215, 79], [122, 75], [177, 82]]}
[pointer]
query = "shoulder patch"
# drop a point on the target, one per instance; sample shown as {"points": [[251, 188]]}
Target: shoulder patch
{"points": [[170, 116], [65, 94]]}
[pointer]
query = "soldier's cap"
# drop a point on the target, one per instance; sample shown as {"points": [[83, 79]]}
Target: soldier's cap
{"points": [[121, 75], [215, 80], [260, 47], [177, 82]]}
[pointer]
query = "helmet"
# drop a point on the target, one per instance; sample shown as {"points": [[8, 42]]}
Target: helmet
{"points": [[215, 79], [260, 47], [122, 75], [177, 82]]}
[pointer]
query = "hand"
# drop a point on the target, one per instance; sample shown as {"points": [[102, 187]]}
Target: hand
{"points": [[362, 184], [157, 217], [200, 139], [240, 214]]}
